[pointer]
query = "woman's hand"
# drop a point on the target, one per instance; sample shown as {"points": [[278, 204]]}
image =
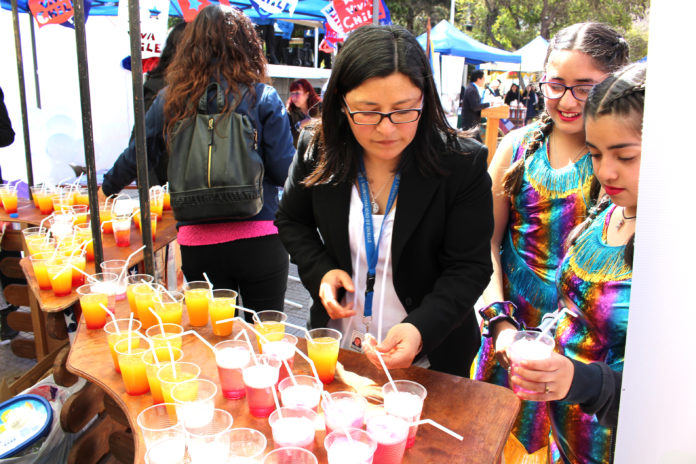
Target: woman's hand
{"points": [[503, 331], [328, 292], [545, 380], [398, 350]]}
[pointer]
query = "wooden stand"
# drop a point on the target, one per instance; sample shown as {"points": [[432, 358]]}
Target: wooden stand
{"points": [[493, 116]]}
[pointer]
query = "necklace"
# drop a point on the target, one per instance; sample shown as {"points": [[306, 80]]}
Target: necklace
{"points": [[624, 218], [573, 159], [373, 197]]}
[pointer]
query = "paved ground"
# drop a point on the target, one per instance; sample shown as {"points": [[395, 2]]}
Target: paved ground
{"points": [[12, 366]]}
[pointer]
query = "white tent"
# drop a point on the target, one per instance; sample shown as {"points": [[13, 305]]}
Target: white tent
{"points": [[533, 55]]}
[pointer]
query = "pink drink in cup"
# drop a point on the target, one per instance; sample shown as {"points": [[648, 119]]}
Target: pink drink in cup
{"points": [[391, 434], [529, 345], [359, 449], [293, 426], [346, 409], [303, 390], [406, 402], [282, 350], [231, 356], [259, 380]]}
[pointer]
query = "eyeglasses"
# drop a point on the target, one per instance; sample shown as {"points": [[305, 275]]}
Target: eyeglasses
{"points": [[296, 93], [555, 90], [373, 118]]}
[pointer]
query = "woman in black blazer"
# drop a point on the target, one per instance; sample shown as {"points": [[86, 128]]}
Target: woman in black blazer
{"points": [[384, 153]]}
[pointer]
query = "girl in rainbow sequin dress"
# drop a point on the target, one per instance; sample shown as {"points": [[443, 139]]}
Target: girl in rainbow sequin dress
{"points": [[542, 178], [581, 381]]}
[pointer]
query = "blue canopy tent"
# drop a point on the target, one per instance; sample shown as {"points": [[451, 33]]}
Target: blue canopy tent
{"points": [[448, 40]]}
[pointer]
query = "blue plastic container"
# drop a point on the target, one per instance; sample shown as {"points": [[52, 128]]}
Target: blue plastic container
{"points": [[24, 419]]}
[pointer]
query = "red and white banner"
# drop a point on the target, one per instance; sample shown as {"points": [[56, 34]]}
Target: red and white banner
{"points": [[153, 25], [353, 14], [51, 11]]}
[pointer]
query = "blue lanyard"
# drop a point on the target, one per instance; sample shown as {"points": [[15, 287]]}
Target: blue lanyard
{"points": [[372, 249]]}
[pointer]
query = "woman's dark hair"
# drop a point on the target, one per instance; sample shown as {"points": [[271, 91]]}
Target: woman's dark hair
{"points": [[312, 97], [170, 46], [609, 52], [219, 44], [622, 95], [369, 52]]}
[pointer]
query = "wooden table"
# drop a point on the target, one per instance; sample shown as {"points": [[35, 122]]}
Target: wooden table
{"points": [[48, 302], [26, 213], [482, 413]]}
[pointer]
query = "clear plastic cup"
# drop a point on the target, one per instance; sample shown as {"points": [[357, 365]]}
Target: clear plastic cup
{"points": [[163, 335], [391, 434], [197, 294], [293, 426], [221, 307], [323, 349], [283, 350], [529, 345], [345, 410], [38, 263], [302, 390], [246, 446], [130, 359], [153, 365], [260, 379], [231, 356], [290, 455], [91, 299], [156, 425], [172, 307], [8, 193], [271, 326], [210, 443], [359, 449], [133, 281], [172, 373], [113, 336], [145, 298], [121, 226], [406, 402], [60, 276], [115, 266], [195, 402]]}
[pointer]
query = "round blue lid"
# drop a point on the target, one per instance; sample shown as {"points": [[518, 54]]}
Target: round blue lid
{"points": [[24, 419]]}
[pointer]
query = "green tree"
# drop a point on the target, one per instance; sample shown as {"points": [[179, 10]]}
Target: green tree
{"points": [[414, 14]]}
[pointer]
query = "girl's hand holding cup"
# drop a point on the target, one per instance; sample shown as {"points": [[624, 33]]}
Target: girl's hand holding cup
{"points": [[542, 380]]}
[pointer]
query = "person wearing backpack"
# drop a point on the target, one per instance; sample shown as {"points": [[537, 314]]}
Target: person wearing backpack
{"points": [[221, 54]]}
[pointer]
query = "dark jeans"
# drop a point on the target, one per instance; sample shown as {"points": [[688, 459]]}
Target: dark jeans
{"points": [[257, 268]]}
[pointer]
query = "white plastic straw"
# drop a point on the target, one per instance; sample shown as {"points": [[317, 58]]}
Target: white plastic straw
{"points": [[550, 322], [205, 276], [193, 332], [159, 320], [251, 348], [254, 316], [130, 328], [384, 366], [441, 427], [277, 403], [113, 317], [125, 265], [304, 329]]}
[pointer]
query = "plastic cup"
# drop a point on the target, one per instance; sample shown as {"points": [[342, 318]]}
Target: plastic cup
{"points": [[231, 356], [529, 345], [195, 402], [115, 266], [157, 203], [81, 213], [304, 391], [390, 433], [197, 294], [166, 201], [167, 451], [259, 380], [82, 196], [62, 201], [157, 425], [84, 234], [130, 359], [121, 226], [105, 217], [172, 307], [173, 373], [9, 198], [160, 341], [44, 199], [290, 455], [406, 402], [105, 282], [322, 349], [246, 446], [60, 276], [293, 426], [271, 326], [210, 443], [114, 336], [151, 368], [145, 298], [283, 350], [34, 189], [133, 281], [358, 450], [79, 262], [345, 410], [38, 263], [35, 238], [220, 307]]}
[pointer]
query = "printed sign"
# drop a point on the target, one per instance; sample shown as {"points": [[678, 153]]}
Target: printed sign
{"points": [[153, 25], [355, 13], [55, 12], [276, 6]]}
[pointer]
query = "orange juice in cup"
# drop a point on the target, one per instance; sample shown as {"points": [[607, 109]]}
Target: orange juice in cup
{"points": [[130, 359], [35, 238], [38, 262], [121, 226], [82, 196], [157, 201], [8, 194], [34, 189], [173, 373], [45, 201], [166, 200], [221, 307], [271, 326], [322, 349], [164, 335], [91, 300], [83, 232], [78, 261], [114, 335], [133, 281], [145, 298], [60, 276], [153, 364], [196, 294], [105, 218], [81, 213], [171, 309]]}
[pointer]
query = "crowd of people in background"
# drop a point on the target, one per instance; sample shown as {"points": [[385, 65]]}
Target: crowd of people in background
{"points": [[398, 226]]}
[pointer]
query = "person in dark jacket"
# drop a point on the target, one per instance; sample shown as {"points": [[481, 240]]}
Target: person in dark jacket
{"points": [[513, 94], [387, 211], [244, 255], [470, 101]]}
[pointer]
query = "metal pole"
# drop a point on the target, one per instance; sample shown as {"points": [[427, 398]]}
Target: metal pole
{"points": [[375, 12], [87, 135], [452, 12], [316, 47], [36, 66], [22, 93], [140, 147]]}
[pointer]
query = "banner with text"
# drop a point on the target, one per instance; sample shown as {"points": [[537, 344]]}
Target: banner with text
{"points": [[153, 25]]}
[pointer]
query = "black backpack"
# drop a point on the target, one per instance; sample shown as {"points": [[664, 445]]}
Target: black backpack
{"points": [[215, 171]]}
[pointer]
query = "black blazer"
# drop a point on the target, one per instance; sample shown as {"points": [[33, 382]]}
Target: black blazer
{"points": [[441, 257], [471, 107]]}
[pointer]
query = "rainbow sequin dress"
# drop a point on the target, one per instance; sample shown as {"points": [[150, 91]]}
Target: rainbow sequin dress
{"points": [[550, 203], [595, 282]]}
